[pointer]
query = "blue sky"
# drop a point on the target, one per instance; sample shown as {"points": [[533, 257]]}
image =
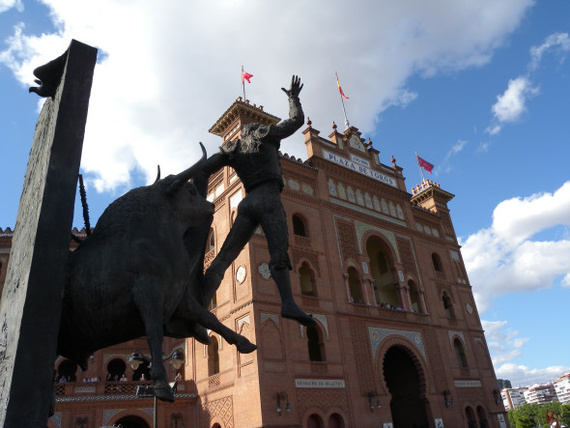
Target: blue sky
{"points": [[479, 89]]}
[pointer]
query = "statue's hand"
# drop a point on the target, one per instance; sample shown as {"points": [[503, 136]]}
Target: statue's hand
{"points": [[296, 87]]}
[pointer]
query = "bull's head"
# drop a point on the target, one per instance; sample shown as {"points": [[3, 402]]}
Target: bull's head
{"points": [[175, 182], [181, 196]]}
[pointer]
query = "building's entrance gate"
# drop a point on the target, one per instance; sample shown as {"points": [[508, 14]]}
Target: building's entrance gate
{"points": [[403, 381]]}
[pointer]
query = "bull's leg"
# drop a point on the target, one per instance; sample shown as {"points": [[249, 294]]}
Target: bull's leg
{"points": [[193, 312], [149, 301], [209, 320]]}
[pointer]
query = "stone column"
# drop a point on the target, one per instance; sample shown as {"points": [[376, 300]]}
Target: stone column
{"points": [[346, 286], [402, 296], [31, 302], [422, 301], [364, 288]]}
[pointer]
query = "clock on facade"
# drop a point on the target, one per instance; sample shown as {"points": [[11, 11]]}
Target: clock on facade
{"points": [[241, 274]]}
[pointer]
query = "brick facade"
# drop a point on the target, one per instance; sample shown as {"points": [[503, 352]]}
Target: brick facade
{"points": [[398, 337]]}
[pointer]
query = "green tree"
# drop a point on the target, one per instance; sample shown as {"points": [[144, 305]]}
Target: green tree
{"points": [[526, 416]]}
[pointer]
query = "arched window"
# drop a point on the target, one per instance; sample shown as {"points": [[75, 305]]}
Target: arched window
{"points": [[116, 369], [436, 262], [315, 421], [299, 227], [414, 296], [213, 357], [460, 353], [214, 302], [211, 241], [354, 285], [315, 344], [336, 421], [448, 306], [471, 420], [307, 279], [381, 270], [66, 371], [142, 372], [482, 416]]}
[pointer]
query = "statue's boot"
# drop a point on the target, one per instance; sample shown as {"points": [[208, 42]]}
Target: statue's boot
{"points": [[163, 391], [289, 309]]}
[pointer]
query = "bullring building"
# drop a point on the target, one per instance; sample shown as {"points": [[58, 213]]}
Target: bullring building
{"points": [[398, 341]]}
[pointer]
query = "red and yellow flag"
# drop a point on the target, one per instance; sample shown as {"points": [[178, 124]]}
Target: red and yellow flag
{"points": [[340, 89]]}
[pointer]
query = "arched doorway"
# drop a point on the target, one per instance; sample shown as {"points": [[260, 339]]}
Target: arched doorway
{"points": [[470, 415], [403, 381], [315, 421], [132, 421], [336, 421], [482, 416]]}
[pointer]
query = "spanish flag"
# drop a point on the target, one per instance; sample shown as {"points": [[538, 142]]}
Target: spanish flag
{"points": [[340, 89]]}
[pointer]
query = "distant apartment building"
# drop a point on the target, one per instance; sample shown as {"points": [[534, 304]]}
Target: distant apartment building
{"points": [[504, 383], [540, 394], [513, 397], [562, 388]]}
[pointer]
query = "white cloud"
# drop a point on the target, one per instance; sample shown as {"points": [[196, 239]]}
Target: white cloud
{"points": [[505, 345], [512, 103], [521, 375], [559, 41], [168, 70], [9, 4], [503, 258], [445, 166], [459, 146]]}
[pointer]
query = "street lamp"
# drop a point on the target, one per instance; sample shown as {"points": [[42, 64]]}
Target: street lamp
{"points": [[282, 396], [137, 358], [448, 398], [371, 405]]}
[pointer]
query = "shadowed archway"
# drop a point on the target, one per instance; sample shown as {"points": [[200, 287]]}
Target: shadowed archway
{"points": [[132, 421], [404, 383]]}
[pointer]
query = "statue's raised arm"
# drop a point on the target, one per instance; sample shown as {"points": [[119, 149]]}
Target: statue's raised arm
{"points": [[288, 127]]}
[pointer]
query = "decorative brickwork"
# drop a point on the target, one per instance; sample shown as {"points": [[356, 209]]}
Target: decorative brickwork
{"points": [[271, 344], [222, 408], [362, 356], [446, 223], [407, 256], [311, 256], [322, 399], [435, 361], [347, 240], [209, 258]]}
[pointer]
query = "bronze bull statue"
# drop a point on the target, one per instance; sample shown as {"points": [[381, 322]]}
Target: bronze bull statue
{"points": [[136, 275]]}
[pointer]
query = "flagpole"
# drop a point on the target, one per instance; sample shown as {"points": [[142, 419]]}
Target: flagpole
{"points": [[342, 101], [420, 168], [243, 83]]}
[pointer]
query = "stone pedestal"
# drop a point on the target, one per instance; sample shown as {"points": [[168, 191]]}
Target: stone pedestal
{"points": [[31, 301]]}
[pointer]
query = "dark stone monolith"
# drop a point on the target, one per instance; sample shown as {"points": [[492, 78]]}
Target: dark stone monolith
{"points": [[32, 297]]}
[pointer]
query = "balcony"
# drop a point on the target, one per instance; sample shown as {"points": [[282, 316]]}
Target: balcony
{"points": [[98, 391]]}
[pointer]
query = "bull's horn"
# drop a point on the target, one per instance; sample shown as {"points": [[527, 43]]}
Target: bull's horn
{"points": [[186, 175], [158, 174]]}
